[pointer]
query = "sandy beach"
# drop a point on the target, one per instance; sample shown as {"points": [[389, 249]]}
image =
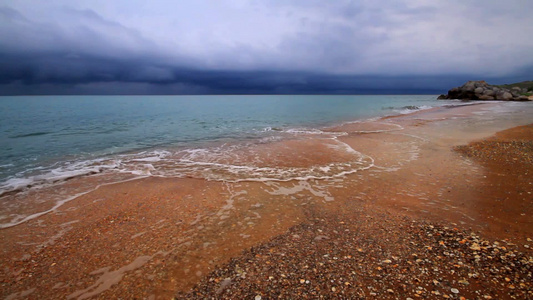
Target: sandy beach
{"points": [[438, 208]]}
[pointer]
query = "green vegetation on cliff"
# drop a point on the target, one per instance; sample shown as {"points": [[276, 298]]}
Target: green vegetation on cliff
{"points": [[524, 84]]}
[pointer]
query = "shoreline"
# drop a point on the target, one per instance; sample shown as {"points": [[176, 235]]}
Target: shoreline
{"points": [[373, 252], [154, 237], [94, 176], [102, 167]]}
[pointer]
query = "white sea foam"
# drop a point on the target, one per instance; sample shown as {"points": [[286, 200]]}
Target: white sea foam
{"points": [[15, 184], [411, 109], [301, 132], [227, 162], [213, 163], [244, 161], [392, 126], [152, 156], [299, 187], [270, 139], [306, 131], [148, 159], [67, 171], [144, 169], [268, 129]]}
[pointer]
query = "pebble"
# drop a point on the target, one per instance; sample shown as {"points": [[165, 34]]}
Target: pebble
{"points": [[311, 270], [475, 247]]}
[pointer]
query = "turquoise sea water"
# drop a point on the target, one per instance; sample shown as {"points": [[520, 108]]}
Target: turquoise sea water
{"points": [[51, 138]]}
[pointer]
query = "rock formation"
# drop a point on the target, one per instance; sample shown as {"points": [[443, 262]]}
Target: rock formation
{"points": [[481, 90]]}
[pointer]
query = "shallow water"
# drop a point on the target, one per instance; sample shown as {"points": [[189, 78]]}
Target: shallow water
{"points": [[76, 144], [55, 137]]}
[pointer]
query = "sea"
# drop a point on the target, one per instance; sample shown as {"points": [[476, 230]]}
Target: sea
{"points": [[47, 141]]}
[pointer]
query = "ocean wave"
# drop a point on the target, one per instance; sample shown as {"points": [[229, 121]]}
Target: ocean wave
{"points": [[56, 175], [135, 164], [227, 162], [268, 129], [407, 109], [411, 108], [238, 162], [39, 133], [301, 131]]}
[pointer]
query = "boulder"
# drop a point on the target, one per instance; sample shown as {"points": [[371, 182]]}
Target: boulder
{"points": [[486, 97], [481, 90], [505, 96], [469, 86], [488, 92]]}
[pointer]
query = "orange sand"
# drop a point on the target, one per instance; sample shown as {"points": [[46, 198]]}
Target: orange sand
{"points": [[150, 238]]}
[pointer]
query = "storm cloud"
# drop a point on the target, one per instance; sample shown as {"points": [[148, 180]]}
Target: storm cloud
{"points": [[222, 47]]}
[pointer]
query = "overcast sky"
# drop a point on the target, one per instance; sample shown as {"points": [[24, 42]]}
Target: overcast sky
{"points": [[260, 46]]}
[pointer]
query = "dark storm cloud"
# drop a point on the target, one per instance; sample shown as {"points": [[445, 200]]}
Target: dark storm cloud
{"points": [[46, 53], [75, 32], [243, 82], [59, 68], [293, 46]]}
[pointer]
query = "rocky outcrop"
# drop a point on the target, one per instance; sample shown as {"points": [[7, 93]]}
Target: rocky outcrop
{"points": [[481, 90]]}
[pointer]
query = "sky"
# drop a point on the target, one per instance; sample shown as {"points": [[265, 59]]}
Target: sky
{"points": [[261, 46]]}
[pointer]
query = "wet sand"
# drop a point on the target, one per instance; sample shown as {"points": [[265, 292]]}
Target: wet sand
{"points": [[437, 213]]}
